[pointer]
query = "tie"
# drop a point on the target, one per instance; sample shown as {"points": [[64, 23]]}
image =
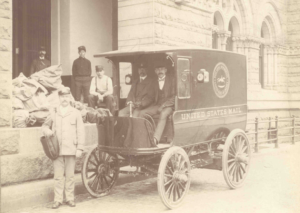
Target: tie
{"points": [[141, 80]]}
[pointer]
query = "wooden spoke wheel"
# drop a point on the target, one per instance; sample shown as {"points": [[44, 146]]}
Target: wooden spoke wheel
{"points": [[221, 134], [173, 181], [236, 158], [100, 172]]}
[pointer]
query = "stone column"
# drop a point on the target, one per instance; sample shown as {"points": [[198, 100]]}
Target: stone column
{"points": [[5, 62], [269, 65], [223, 35], [252, 52], [275, 67]]}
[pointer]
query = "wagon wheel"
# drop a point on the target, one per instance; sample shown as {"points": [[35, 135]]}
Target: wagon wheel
{"points": [[173, 180], [236, 158], [99, 173], [221, 134]]}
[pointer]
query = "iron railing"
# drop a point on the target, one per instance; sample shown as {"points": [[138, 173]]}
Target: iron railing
{"points": [[273, 129]]}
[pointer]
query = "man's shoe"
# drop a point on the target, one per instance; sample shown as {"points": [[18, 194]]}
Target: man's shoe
{"points": [[71, 203], [56, 205]]}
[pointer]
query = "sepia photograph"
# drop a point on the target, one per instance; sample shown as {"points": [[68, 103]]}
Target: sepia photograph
{"points": [[149, 106]]}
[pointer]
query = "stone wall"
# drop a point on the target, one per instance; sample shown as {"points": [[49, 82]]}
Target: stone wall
{"points": [[5, 62], [293, 40], [23, 158]]}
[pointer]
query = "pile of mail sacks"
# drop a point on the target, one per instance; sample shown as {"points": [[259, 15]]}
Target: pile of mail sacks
{"points": [[35, 97]]}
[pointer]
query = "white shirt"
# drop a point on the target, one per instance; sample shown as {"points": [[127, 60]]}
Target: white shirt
{"points": [[161, 82], [143, 78], [104, 85], [64, 110]]}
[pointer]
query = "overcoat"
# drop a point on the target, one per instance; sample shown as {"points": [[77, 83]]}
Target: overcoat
{"points": [[38, 65], [142, 91], [169, 91], [69, 129]]}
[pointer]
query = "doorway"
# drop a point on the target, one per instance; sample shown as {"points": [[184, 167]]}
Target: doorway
{"points": [[31, 29]]}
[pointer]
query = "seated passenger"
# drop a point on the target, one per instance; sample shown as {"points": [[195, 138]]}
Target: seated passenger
{"points": [[164, 99], [101, 90], [141, 94]]}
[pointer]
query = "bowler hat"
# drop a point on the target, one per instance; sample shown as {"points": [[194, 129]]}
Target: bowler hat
{"points": [[81, 48], [42, 48], [99, 68], [64, 91], [142, 65], [160, 63]]}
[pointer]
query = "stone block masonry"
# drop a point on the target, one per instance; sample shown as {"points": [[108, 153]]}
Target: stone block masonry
{"points": [[5, 62], [23, 158]]}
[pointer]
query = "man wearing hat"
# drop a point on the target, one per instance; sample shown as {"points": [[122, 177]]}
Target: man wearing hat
{"points": [[66, 123], [81, 71], [165, 91], [101, 90], [141, 93], [40, 63]]}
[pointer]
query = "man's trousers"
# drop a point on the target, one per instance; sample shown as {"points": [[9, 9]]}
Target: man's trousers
{"points": [[108, 100], [82, 86], [125, 112], [152, 110], [64, 168]]}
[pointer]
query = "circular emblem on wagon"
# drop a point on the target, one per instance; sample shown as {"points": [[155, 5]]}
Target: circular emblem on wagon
{"points": [[221, 80]]}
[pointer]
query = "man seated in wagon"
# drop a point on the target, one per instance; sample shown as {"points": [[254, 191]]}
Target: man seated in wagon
{"points": [[164, 100], [141, 94]]}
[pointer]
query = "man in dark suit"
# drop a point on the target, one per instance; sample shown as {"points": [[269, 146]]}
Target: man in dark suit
{"points": [[141, 93], [81, 71], [39, 63], [165, 92]]}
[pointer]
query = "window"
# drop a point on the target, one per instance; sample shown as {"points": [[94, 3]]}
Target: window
{"points": [[229, 43], [183, 78], [261, 65], [125, 74]]}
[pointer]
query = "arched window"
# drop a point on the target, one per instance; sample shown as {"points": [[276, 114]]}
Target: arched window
{"points": [[229, 43], [263, 58], [261, 65], [215, 36], [219, 24]]}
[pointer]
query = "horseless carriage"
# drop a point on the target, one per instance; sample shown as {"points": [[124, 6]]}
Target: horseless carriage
{"points": [[206, 129]]}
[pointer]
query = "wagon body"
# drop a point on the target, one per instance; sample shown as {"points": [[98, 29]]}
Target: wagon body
{"points": [[204, 131]]}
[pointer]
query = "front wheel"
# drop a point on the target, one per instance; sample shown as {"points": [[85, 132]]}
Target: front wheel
{"points": [[174, 177], [236, 158], [100, 171]]}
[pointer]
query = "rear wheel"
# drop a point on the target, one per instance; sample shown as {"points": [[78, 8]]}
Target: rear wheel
{"points": [[236, 158], [174, 177], [100, 171]]}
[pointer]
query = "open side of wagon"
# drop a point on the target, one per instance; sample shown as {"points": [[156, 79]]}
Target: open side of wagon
{"points": [[206, 129]]}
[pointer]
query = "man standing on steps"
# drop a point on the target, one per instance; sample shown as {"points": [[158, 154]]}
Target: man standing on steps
{"points": [[66, 123], [81, 71]]}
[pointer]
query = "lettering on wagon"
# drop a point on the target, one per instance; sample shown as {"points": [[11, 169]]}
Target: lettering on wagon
{"points": [[201, 114]]}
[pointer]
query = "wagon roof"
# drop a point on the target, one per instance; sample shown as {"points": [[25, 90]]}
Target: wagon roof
{"points": [[151, 50]]}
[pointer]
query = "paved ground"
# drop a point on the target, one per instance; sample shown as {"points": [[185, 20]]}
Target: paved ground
{"points": [[272, 186]]}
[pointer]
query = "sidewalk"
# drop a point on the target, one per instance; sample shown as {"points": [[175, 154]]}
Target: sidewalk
{"points": [[38, 196], [35, 193]]}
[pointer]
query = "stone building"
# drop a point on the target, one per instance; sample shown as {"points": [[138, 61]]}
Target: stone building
{"points": [[266, 31]]}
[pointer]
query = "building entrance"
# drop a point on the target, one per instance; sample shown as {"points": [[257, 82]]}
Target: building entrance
{"points": [[31, 29]]}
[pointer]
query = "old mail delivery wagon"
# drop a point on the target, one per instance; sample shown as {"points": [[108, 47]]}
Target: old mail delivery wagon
{"points": [[205, 130]]}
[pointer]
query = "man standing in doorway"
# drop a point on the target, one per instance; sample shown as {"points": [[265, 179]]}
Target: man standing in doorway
{"points": [[81, 71], [39, 63], [66, 123]]}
